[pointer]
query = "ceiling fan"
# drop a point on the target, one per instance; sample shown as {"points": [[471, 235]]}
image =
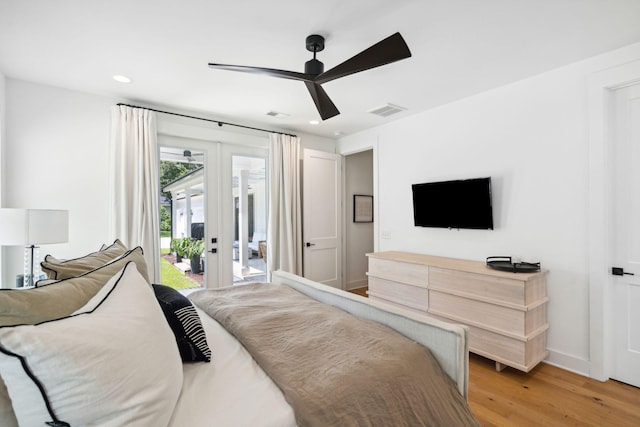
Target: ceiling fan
{"points": [[389, 50], [191, 156]]}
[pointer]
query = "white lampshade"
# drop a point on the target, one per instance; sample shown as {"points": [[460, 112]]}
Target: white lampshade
{"points": [[33, 226]]}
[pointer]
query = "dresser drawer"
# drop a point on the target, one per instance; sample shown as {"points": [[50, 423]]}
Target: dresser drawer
{"points": [[500, 289], [373, 297], [522, 354], [415, 297], [401, 272], [510, 321]]}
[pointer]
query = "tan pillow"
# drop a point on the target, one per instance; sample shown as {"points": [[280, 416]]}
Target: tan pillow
{"points": [[59, 269], [62, 297]]}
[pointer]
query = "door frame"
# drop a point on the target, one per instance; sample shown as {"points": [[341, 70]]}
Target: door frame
{"points": [[600, 91], [170, 126], [346, 215]]}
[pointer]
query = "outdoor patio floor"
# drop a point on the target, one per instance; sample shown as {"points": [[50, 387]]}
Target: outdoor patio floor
{"points": [[256, 264]]}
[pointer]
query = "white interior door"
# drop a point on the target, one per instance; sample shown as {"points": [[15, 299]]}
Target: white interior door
{"points": [[626, 235], [322, 217]]}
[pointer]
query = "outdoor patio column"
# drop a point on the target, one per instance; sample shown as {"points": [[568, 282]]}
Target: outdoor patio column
{"points": [[187, 200], [174, 215], [243, 220]]}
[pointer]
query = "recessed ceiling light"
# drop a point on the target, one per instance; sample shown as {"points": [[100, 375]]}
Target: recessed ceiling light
{"points": [[121, 79], [313, 122]]}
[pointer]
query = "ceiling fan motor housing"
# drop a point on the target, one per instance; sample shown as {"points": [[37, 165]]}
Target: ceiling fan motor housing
{"points": [[315, 43], [313, 66]]}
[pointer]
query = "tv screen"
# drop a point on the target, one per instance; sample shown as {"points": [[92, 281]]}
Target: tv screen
{"points": [[453, 204]]}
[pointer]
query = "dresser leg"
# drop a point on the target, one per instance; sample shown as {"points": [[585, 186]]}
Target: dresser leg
{"points": [[500, 366]]}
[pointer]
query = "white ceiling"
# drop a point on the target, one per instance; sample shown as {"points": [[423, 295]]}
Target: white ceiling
{"points": [[459, 47]]}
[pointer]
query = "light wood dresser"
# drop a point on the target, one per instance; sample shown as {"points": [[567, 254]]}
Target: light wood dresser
{"points": [[506, 312]]}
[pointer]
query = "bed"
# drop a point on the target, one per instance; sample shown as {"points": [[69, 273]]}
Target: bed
{"points": [[71, 363]]}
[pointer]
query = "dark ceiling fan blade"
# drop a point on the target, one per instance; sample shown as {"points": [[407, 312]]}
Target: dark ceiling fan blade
{"points": [[284, 74], [325, 106], [391, 49]]}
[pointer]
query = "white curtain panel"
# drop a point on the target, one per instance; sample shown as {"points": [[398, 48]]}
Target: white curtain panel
{"points": [[284, 237], [135, 215]]}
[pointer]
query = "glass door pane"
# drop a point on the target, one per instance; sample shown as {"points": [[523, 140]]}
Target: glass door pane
{"points": [[249, 191], [187, 214]]}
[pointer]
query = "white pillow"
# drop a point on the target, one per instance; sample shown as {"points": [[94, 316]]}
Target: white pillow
{"points": [[114, 364], [7, 416]]}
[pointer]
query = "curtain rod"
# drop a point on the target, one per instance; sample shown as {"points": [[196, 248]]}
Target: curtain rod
{"points": [[220, 123]]}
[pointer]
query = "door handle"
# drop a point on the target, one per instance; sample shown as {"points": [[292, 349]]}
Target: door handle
{"points": [[308, 244], [619, 271]]}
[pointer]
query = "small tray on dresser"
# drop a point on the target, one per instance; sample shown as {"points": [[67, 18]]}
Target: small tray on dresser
{"points": [[504, 263]]}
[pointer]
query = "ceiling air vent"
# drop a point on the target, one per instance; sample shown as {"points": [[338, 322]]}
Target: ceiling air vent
{"points": [[277, 114], [386, 110]]}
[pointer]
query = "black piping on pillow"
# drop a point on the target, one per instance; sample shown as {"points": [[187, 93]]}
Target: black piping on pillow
{"points": [[185, 324], [23, 361]]}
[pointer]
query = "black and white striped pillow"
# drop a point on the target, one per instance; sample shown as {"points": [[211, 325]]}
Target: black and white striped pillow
{"points": [[185, 324]]}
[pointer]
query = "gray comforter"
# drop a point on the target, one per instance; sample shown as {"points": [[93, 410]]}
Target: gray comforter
{"points": [[335, 369]]}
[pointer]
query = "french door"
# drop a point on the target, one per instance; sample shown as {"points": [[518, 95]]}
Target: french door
{"points": [[217, 179], [190, 211]]}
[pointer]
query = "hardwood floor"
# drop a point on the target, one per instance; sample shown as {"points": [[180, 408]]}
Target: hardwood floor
{"points": [[360, 291], [546, 396]]}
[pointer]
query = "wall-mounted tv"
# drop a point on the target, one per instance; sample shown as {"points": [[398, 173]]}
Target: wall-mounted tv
{"points": [[464, 203]]}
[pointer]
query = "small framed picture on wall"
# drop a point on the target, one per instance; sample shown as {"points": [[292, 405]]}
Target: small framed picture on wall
{"points": [[362, 208]]}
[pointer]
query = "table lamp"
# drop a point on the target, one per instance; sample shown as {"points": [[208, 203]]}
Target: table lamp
{"points": [[31, 227]]}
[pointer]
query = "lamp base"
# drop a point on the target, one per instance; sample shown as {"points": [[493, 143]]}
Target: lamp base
{"points": [[32, 271]]}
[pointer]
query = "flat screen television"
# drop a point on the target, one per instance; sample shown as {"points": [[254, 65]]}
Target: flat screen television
{"points": [[464, 203]]}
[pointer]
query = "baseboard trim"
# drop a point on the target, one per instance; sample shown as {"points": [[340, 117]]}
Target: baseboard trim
{"points": [[568, 362], [357, 284]]}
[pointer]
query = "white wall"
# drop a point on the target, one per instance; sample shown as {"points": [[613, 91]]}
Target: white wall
{"points": [[358, 236], [56, 156], [2, 138], [172, 126], [2, 143], [531, 138]]}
